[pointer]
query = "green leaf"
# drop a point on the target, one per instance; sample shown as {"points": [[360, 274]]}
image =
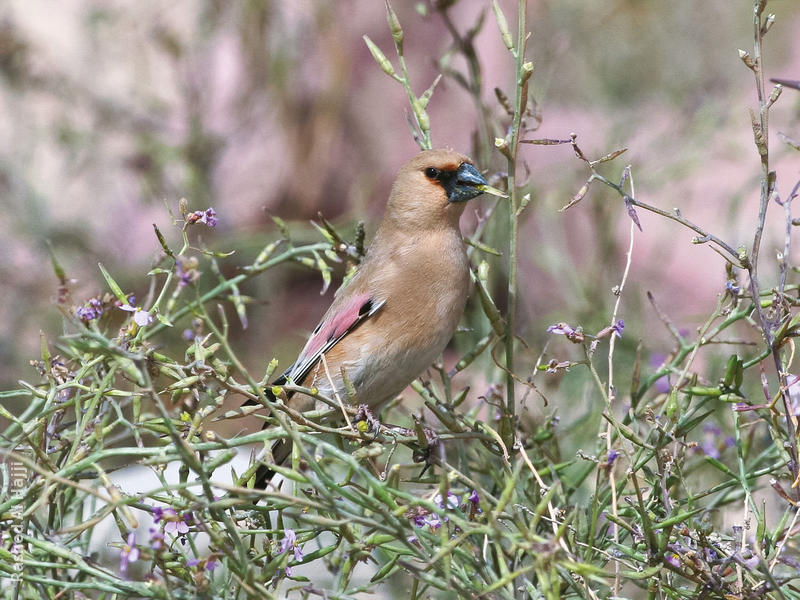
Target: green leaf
{"points": [[163, 242], [113, 285], [386, 570], [685, 427], [483, 247], [57, 269], [733, 373], [380, 57], [502, 24], [721, 467]]}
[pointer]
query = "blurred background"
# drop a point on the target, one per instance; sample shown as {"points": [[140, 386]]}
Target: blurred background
{"points": [[111, 112]]}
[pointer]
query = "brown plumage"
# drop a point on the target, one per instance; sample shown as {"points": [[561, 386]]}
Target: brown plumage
{"points": [[397, 313]]}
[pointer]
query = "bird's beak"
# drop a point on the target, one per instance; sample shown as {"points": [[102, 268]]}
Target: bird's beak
{"points": [[465, 184]]}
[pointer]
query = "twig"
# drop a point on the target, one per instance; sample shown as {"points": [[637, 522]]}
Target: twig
{"points": [[611, 390]]}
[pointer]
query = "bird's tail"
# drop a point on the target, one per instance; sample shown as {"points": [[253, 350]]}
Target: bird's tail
{"points": [[280, 452], [280, 449]]}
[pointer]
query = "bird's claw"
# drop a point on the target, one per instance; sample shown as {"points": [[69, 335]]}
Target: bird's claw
{"points": [[428, 443], [366, 422]]}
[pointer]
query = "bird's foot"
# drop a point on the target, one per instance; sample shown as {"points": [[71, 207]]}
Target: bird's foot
{"points": [[366, 422], [428, 444]]}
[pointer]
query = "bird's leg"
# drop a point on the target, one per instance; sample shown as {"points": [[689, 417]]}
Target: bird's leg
{"points": [[366, 422], [425, 452]]}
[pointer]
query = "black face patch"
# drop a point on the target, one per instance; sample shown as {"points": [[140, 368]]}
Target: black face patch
{"points": [[460, 183]]}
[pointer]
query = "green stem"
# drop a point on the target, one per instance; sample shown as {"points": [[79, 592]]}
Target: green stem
{"points": [[520, 99], [249, 273], [761, 130]]}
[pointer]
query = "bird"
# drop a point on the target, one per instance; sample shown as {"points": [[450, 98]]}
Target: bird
{"points": [[394, 317]]}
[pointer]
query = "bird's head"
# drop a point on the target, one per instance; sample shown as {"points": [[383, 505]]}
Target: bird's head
{"points": [[432, 188]]}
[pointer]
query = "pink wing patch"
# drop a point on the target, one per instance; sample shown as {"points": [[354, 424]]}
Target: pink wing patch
{"points": [[328, 333], [334, 327]]}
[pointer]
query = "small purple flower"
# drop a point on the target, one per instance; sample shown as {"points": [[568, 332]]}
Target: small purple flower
{"points": [[572, 334], [289, 542], [474, 504], [672, 559], [661, 386], [561, 329], [612, 456], [93, 309], [186, 270], [632, 211], [86, 313], [211, 564], [452, 501], [618, 327], [615, 329], [207, 217], [156, 540], [130, 553], [140, 317], [710, 446], [434, 521], [179, 527], [173, 522], [184, 278], [289, 539], [553, 366], [160, 514], [192, 562]]}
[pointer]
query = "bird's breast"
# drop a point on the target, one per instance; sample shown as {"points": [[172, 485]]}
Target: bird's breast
{"points": [[423, 283], [425, 286]]}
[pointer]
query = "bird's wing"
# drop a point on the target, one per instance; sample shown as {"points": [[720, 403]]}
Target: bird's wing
{"points": [[333, 327], [336, 324]]}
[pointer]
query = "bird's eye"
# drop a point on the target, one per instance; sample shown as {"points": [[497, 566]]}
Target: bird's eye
{"points": [[431, 173]]}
